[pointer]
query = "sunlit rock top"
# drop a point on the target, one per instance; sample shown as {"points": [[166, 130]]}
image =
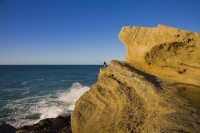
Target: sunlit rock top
{"points": [[163, 51]]}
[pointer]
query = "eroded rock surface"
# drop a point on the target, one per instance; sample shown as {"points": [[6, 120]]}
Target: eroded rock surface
{"points": [[126, 100], [156, 90], [164, 51]]}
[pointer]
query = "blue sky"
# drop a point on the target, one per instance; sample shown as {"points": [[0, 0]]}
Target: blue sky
{"points": [[82, 31]]}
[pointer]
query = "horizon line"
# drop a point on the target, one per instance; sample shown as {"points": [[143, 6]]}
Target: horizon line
{"points": [[44, 64]]}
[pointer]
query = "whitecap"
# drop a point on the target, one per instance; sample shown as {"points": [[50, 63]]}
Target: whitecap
{"points": [[26, 92], [32, 109], [73, 94], [24, 83]]}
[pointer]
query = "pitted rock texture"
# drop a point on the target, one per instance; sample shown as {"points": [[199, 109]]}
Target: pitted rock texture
{"points": [[163, 51], [127, 100]]}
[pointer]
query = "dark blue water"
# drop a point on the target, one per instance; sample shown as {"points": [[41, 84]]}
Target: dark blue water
{"points": [[29, 93]]}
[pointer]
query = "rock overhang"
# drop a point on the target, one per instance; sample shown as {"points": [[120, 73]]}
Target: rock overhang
{"points": [[163, 51]]}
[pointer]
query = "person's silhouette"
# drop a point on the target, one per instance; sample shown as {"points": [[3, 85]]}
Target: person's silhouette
{"points": [[104, 64]]}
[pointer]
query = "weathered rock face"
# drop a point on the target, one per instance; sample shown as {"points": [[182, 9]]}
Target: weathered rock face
{"points": [[156, 90], [125, 99], [164, 51]]}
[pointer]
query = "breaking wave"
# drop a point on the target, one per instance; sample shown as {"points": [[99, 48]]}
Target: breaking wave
{"points": [[32, 109]]}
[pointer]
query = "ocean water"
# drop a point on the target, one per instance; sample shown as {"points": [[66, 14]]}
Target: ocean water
{"points": [[29, 93]]}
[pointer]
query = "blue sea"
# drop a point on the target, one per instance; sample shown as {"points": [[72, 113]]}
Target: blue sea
{"points": [[29, 93]]}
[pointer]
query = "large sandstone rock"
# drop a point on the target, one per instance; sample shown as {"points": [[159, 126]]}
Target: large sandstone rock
{"points": [[156, 90], [164, 51], [126, 100]]}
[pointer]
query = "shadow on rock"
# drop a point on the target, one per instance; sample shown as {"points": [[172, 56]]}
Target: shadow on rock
{"points": [[148, 77]]}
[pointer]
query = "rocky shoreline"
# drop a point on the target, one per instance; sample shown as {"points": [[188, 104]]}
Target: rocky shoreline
{"points": [[125, 99], [49, 125], [156, 90]]}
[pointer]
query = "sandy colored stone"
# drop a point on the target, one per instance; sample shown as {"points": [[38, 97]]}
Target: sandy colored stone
{"points": [[126, 100], [156, 90], [164, 51]]}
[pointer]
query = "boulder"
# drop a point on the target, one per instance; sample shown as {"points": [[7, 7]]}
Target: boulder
{"points": [[163, 51], [50, 125], [156, 90], [6, 128], [127, 100]]}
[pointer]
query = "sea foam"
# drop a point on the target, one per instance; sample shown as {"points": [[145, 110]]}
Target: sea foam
{"points": [[73, 94], [64, 103], [30, 110]]}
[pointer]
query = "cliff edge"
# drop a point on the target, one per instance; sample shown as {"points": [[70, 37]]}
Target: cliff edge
{"points": [[137, 96]]}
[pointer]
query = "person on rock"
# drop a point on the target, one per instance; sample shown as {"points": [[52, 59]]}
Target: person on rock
{"points": [[104, 64]]}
